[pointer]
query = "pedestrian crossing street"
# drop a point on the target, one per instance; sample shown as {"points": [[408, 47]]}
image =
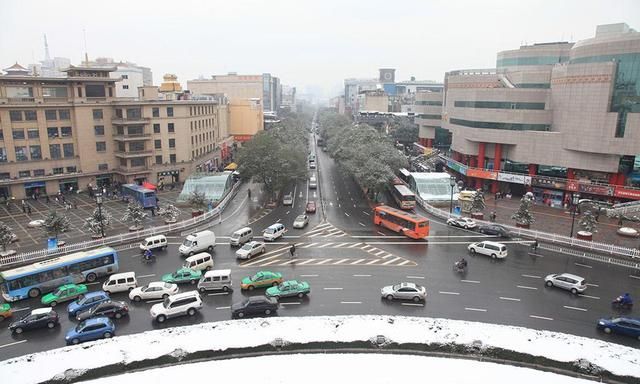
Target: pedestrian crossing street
{"points": [[325, 230]]}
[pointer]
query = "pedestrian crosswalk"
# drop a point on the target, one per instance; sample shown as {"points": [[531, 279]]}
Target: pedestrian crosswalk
{"points": [[325, 230]]}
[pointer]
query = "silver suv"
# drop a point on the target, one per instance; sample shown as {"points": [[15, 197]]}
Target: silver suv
{"points": [[187, 303], [573, 283]]}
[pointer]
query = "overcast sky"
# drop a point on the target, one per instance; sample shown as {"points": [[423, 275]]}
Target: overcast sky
{"points": [[313, 45]]}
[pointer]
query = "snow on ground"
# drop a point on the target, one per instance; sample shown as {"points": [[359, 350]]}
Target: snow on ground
{"points": [[337, 368], [618, 359]]}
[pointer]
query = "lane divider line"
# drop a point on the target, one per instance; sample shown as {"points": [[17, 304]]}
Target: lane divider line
{"points": [[509, 298], [223, 307], [361, 275], [470, 281], [532, 276], [415, 277], [526, 287], [540, 317], [351, 302], [448, 293], [413, 304], [589, 297], [475, 309], [575, 308], [332, 289], [14, 343]]}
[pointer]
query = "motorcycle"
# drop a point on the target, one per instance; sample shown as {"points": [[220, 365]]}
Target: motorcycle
{"points": [[459, 267], [148, 258], [620, 304]]}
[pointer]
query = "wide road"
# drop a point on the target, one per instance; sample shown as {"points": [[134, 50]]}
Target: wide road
{"points": [[346, 259]]}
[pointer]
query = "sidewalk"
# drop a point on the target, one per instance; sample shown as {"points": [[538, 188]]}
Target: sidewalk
{"points": [[556, 220]]}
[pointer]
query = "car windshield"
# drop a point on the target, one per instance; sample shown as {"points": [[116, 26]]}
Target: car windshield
{"points": [[246, 247], [167, 285], [396, 287], [269, 230], [80, 326], [58, 292], [187, 243]]}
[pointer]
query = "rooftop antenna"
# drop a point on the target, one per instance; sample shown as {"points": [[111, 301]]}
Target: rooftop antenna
{"points": [[86, 54], [46, 49]]}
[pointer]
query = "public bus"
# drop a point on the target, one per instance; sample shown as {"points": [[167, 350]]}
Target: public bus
{"points": [[403, 196], [134, 192], [45, 276], [410, 224]]}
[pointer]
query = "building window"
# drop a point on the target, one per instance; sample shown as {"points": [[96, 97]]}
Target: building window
{"points": [[97, 114], [72, 169], [119, 113], [38, 172], [79, 95], [156, 128], [172, 159], [136, 146], [30, 115], [121, 147], [498, 125], [36, 152], [125, 87], [18, 134], [21, 154], [58, 171], [3, 155], [427, 116], [54, 151], [425, 102], [111, 92], [65, 131], [159, 159], [171, 128], [24, 173], [169, 111], [156, 112], [15, 115], [123, 162], [95, 90], [52, 132], [172, 143], [64, 114], [103, 167], [134, 113], [138, 162], [50, 114], [33, 133], [498, 105], [157, 144], [67, 150], [1, 135], [125, 76], [98, 130], [120, 130], [101, 146]]}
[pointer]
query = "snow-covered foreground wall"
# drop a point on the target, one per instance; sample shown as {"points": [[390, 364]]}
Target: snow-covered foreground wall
{"points": [[242, 336]]}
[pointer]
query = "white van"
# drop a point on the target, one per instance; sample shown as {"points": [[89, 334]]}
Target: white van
{"points": [[197, 242], [154, 242], [273, 232], [120, 282], [215, 280], [241, 236], [489, 248], [199, 262], [313, 182]]}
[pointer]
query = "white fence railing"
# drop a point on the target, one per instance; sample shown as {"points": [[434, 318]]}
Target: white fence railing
{"points": [[121, 238], [593, 246]]}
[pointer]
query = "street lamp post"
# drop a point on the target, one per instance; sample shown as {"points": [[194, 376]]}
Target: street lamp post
{"points": [[575, 199], [99, 202], [452, 183]]}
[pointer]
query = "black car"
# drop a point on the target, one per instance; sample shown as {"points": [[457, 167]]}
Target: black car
{"points": [[115, 309], [494, 230], [38, 318], [254, 305]]}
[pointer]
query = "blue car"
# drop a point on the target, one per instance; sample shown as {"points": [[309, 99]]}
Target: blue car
{"points": [[623, 325], [91, 329], [89, 301]]}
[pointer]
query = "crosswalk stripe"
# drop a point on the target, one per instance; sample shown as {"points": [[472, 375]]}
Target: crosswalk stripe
{"points": [[391, 261], [388, 255], [324, 261], [310, 245], [341, 261], [354, 245], [306, 262], [260, 260], [339, 245], [405, 262], [378, 253], [372, 261], [366, 246], [325, 245], [358, 261], [289, 262], [271, 262], [315, 234]]}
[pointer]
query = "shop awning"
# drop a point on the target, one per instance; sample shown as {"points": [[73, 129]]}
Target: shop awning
{"points": [[149, 186], [231, 167]]}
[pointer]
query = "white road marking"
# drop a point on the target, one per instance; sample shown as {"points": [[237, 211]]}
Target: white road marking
{"points": [[366, 247], [20, 309], [470, 281], [223, 307], [361, 275], [509, 298], [340, 262], [388, 255], [347, 214], [592, 285], [381, 233], [279, 220], [14, 343], [372, 262], [541, 317], [306, 262], [310, 245], [475, 309], [291, 303], [405, 262], [589, 297], [324, 261], [217, 294], [448, 293], [415, 277], [339, 245], [354, 245], [357, 261], [261, 259], [366, 213], [634, 277], [391, 261], [351, 302], [532, 276], [143, 276], [286, 213], [94, 283], [271, 262], [308, 275], [526, 287], [378, 253], [325, 245], [583, 265], [575, 308], [413, 304], [332, 289], [361, 224]]}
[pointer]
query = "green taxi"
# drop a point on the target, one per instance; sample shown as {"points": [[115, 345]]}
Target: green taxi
{"points": [[261, 279], [289, 288], [64, 293], [5, 311], [182, 275]]}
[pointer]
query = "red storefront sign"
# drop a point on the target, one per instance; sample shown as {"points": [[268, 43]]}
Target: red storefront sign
{"points": [[242, 138], [627, 193], [482, 174], [572, 185]]}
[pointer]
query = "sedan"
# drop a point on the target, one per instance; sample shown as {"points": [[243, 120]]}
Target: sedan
{"points": [[289, 288], [38, 318], [311, 207], [64, 293], [494, 230], [254, 305], [623, 325], [88, 301], [182, 275], [573, 283], [404, 291], [250, 249], [36, 223], [154, 290], [301, 221], [288, 199], [462, 222], [115, 309], [5, 311], [91, 329], [261, 279]]}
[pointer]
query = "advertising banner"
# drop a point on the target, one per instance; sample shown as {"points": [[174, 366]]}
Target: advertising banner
{"points": [[548, 183], [572, 185], [627, 193], [482, 174], [596, 189], [461, 169], [516, 179]]}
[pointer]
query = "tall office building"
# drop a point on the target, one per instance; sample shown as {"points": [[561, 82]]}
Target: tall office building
{"points": [[264, 87]]}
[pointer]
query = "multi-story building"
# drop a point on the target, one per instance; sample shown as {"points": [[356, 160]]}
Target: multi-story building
{"points": [[129, 75], [373, 101], [61, 134], [428, 116], [353, 88], [553, 118], [288, 98], [50, 67]]}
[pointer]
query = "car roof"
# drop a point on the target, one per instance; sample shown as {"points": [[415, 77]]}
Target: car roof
{"points": [[183, 295], [300, 217], [122, 275], [410, 285], [97, 320], [157, 284], [40, 311], [218, 272], [258, 298], [493, 243], [571, 275], [630, 319], [95, 293], [276, 225]]}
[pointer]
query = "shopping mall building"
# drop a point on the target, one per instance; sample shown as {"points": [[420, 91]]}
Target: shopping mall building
{"points": [[552, 118]]}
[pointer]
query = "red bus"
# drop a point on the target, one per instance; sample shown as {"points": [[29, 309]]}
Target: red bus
{"points": [[410, 224], [403, 196]]}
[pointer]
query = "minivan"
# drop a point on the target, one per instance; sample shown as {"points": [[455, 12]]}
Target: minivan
{"points": [[120, 282], [489, 248], [241, 236], [273, 232], [313, 182], [215, 280], [154, 242], [199, 262], [197, 242]]}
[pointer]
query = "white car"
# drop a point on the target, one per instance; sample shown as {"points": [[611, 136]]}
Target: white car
{"points": [[462, 222], [404, 291], [574, 284], [186, 303], [489, 248], [301, 221], [154, 290], [288, 199], [250, 249], [35, 223]]}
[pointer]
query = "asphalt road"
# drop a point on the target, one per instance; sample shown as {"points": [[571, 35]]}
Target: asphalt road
{"points": [[346, 260]]}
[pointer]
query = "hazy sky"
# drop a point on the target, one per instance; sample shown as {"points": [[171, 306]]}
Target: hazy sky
{"points": [[313, 45]]}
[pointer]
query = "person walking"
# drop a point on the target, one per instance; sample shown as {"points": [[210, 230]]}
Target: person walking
{"points": [[29, 209], [292, 250], [24, 206]]}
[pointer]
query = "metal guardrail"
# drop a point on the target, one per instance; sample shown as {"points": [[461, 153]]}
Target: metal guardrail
{"points": [[604, 248], [121, 238]]}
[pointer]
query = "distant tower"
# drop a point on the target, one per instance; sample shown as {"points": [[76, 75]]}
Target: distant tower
{"points": [[46, 49], [387, 75]]}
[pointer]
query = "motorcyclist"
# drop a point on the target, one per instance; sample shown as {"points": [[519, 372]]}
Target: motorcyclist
{"points": [[624, 299], [148, 255], [462, 263]]}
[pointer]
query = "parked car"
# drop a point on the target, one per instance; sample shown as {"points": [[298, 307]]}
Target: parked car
{"points": [[573, 283], [273, 232], [311, 207], [261, 279], [186, 303], [494, 230], [36, 223], [5, 311], [301, 221], [254, 305], [87, 301], [153, 290], [462, 222], [182, 275], [489, 248], [623, 325], [91, 329], [38, 318], [115, 309], [250, 249], [64, 293], [288, 199], [289, 288], [404, 291]]}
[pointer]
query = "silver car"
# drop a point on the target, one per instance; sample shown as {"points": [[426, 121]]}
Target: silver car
{"points": [[573, 283], [250, 249], [301, 221], [288, 199], [404, 291], [462, 222]]}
